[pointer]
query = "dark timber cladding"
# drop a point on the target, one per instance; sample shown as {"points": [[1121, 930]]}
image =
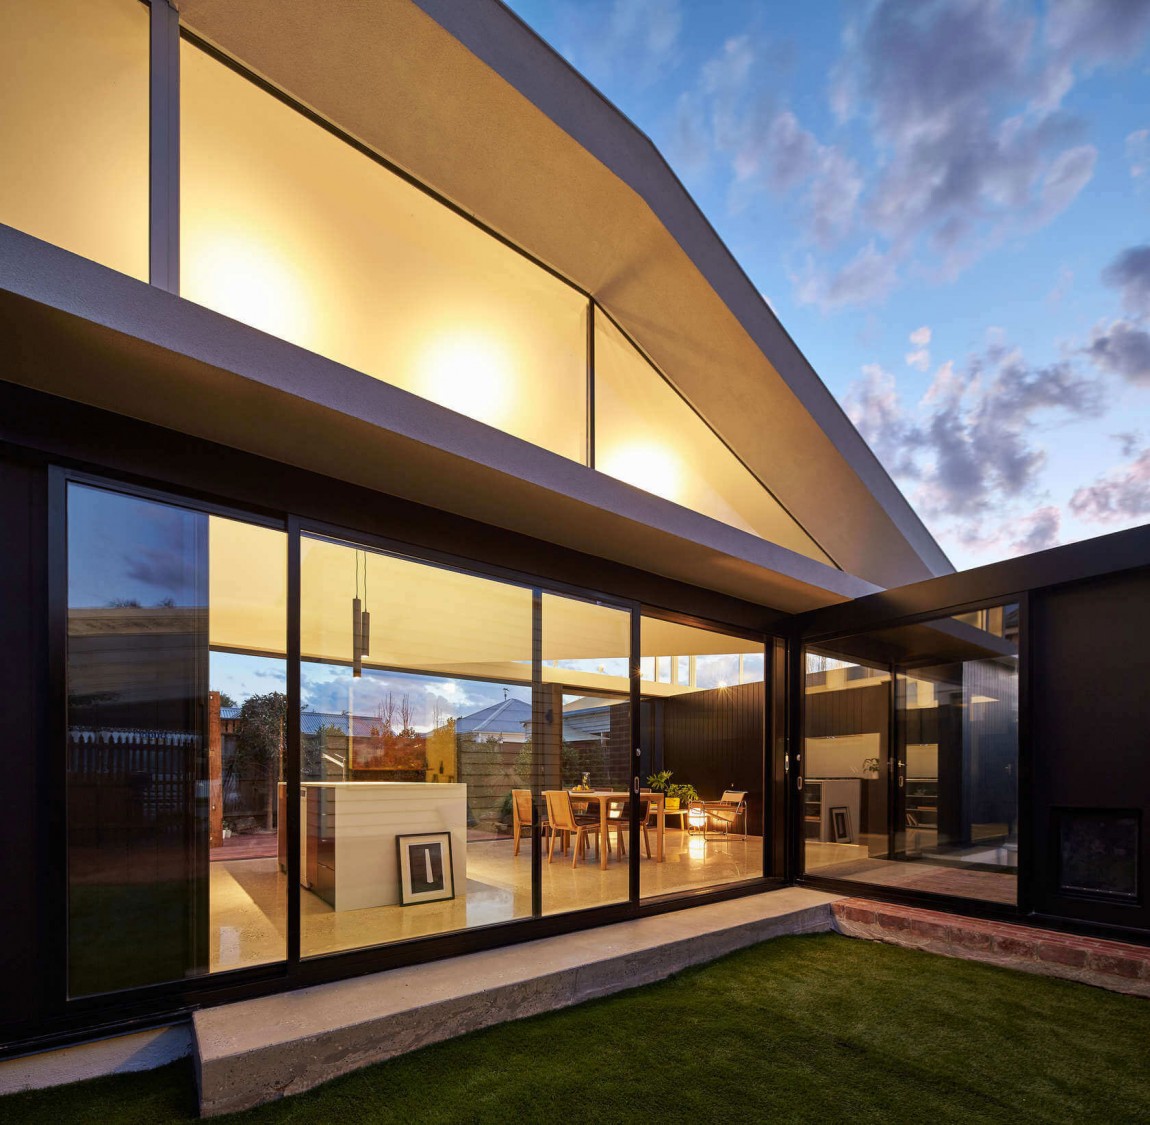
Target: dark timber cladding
{"points": [[712, 738], [1090, 674]]}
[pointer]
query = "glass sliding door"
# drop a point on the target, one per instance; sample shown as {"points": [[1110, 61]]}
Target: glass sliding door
{"points": [[703, 723], [584, 752], [845, 768], [171, 614], [415, 734], [911, 781]]}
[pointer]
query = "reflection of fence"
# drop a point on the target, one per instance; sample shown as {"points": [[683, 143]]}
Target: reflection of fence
{"points": [[129, 781]]}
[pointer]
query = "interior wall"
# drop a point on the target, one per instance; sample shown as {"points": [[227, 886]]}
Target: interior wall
{"points": [[714, 740]]}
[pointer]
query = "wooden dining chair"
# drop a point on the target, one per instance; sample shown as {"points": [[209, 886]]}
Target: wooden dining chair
{"points": [[522, 817], [562, 818], [648, 819]]}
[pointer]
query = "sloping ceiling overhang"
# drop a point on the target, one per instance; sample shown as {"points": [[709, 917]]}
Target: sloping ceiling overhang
{"points": [[470, 101], [72, 328]]}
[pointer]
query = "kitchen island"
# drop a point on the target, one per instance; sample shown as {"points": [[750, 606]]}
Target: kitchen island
{"points": [[348, 854]]}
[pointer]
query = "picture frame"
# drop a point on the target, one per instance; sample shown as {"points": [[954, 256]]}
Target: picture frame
{"points": [[841, 825], [426, 873]]}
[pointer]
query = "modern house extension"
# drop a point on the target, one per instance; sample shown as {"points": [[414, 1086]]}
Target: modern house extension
{"points": [[421, 536]]}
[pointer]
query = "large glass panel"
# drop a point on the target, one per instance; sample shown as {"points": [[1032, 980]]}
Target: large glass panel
{"points": [[703, 731], [935, 807], [291, 230], [845, 766], [584, 752], [416, 731], [247, 742], [169, 612], [646, 435], [74, 127]]}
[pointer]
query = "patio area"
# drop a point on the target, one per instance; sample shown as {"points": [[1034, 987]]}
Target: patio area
{"points": [[812, 1028]]}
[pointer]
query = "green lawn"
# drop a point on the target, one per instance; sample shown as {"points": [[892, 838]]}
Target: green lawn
{"points": [[821, 1029]]}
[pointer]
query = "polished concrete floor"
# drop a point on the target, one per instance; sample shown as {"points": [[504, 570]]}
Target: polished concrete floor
{"points": [[249, 911], [852, 861]]}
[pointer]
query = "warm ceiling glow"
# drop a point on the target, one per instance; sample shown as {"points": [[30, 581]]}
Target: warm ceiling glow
{"points": [[646, 465], [469, 373], [238, 275]]}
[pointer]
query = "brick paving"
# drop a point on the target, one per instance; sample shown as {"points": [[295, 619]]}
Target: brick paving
{"points": [[1106, 964]]}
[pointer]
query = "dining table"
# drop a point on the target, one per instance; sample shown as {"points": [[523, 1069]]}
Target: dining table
{"points": [[605, 798]]}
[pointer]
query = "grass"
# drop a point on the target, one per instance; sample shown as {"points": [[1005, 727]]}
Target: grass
{"points": [[821, 1029]]}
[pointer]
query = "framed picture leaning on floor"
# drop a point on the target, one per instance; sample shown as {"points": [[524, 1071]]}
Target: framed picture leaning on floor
{"points": [[425, 872], [841, 825]]}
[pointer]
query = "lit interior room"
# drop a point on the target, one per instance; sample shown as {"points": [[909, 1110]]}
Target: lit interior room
{"points": [[911, 776], [443, 713]]}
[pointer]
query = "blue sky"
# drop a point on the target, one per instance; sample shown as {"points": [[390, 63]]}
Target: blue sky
{"points": [[947, 203]]}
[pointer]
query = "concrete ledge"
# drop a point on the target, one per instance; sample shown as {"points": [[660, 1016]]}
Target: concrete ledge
{"points": [[141, 1050], [1105, 964], [258, 1050]]}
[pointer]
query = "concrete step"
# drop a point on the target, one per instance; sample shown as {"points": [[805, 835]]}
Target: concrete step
{"points": [[1105, 964], [255, 1051]]}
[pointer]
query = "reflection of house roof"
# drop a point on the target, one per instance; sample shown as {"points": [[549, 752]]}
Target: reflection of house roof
{"points": [[511, 716], [310, 722], [587, 724]]}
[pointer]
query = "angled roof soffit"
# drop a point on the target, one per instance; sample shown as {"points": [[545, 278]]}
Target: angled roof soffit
{"points": [[473, 103], [80, 331]]}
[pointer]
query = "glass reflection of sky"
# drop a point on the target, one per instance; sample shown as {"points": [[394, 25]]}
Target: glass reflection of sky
{"points": [[244, 676], [122, 549], [431, 699], [607, 666]]}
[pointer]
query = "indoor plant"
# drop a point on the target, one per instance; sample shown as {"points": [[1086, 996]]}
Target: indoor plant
{"points": [[681, 793]]}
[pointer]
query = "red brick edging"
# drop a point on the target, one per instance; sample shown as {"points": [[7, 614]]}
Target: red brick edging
{"points": [[1106, 964]]}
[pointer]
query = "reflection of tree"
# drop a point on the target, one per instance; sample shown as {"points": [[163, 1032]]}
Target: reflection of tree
{"points": [[259, 746], [393, 745]]}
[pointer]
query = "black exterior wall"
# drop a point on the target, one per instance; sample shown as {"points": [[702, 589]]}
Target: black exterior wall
{"points": [[1090, 668], [1083, 711], [41, 434], [1083, 707]]}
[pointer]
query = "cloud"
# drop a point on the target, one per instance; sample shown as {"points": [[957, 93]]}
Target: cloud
{"points": [[165, 568], [958, 108], [866, 279], [1121, 348], [1022, 534], [791, 158], [1121, 495], [638, 37], [950, 90], [1097, 32], [1038, 531], [919, 358], [1138, 154], [970, 444], [1130, 273]]}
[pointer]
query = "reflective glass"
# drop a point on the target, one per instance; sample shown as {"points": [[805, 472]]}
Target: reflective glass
{"points": [[74, 127], [583, 752], [702, 744], [647, 435], [416, 734], [290, 229], [175, 724], [933, 804]]}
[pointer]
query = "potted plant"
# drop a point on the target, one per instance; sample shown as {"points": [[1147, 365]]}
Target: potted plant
{"points": [[681, 793], [870, 768], [660, 782]]}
